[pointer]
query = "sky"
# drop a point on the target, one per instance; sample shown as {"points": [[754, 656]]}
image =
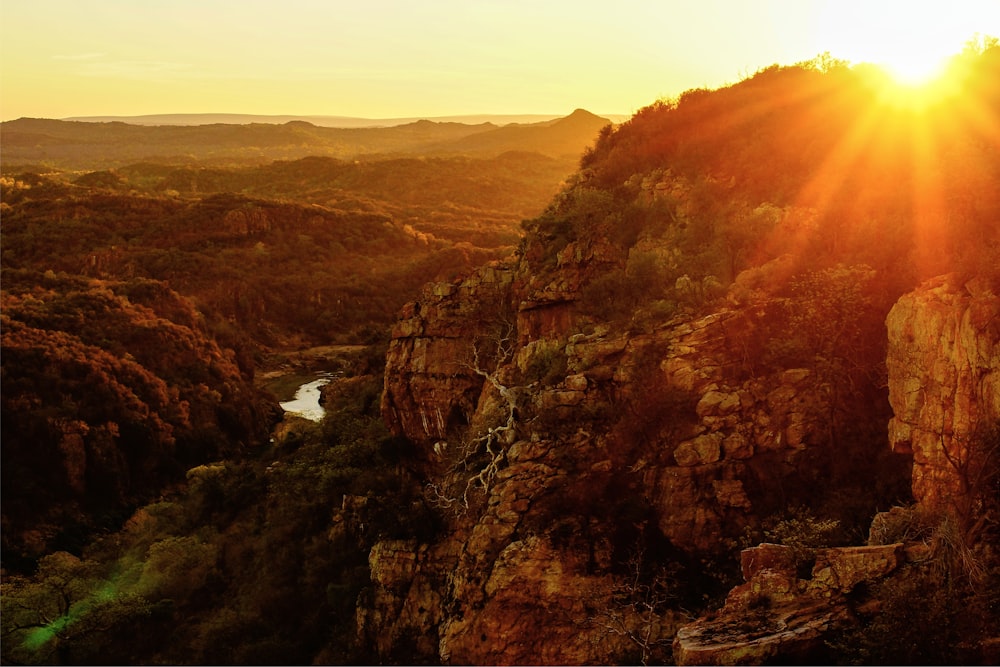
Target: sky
{"points": [[432, 58]]}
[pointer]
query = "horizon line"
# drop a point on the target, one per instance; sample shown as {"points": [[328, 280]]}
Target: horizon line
{"points": [[353, 121]]}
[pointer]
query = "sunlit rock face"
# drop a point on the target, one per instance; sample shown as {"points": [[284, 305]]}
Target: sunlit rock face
{"points": [[944, 383], [431, 383], [552, 445], [943, 363]]}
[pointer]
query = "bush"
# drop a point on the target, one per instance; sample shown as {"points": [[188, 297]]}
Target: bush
{"points": [[921, 619], [547, 365]]}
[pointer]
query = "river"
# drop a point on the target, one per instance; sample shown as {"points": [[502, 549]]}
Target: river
{"points": [[306, 401]]}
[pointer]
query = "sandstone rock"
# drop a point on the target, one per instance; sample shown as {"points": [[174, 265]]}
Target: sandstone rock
{"points": [[737, 446], [703, 449], [514, 576], [392, 563], [531, 580], [944, 381], [844, 568], [431, 387], [766, 556], [554, 399], [577, 382], [717, 403], [730, 493], [776, 617], [406, 602], [784, 634]]}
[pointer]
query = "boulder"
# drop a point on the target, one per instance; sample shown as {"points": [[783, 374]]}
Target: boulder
{"points": [[777, 617]]}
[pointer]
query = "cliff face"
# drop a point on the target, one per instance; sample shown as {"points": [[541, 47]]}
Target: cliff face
{"points": [[560, 453], [943, 367], [944, 385], [431, 382]]}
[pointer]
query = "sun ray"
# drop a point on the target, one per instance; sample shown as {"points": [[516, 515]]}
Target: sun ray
{"points": [[820, 190], [891, 150], [930, 213]]}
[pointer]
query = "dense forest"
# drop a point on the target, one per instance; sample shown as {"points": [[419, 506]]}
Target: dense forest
{"points": [[140, 301], [157, 508]]}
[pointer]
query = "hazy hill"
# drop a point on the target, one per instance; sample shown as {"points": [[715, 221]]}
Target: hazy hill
{"points": [[106, 403], [80, 145], [555, 137], [322, 121]]}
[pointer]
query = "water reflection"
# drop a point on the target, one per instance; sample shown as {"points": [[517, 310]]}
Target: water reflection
{"points": [[306, 401]]}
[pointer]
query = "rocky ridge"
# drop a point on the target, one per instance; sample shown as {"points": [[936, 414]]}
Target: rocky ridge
{"points": [[555, 447], [944, 385], [777, 614]]}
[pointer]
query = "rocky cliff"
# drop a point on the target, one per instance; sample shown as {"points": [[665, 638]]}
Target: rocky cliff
{"points": [[944, 386], [563, 453], [943, 359], [779, 615]]}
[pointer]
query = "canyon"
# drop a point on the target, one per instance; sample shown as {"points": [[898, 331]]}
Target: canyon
{"points": [[730, 397]]}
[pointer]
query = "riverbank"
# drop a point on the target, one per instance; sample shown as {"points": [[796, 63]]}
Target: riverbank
{"points": [[307, 402], [284, 371]]}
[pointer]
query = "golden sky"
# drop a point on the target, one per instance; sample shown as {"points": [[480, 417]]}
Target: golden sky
{"points": [[396, 58]]}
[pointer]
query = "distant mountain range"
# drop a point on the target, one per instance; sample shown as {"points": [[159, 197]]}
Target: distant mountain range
{"points": [[321, 121], [92, 144]]}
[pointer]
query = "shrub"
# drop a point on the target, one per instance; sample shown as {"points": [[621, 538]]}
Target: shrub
{"points": [[547, 365]]}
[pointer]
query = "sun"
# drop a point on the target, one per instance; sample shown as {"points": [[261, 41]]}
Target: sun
{"points": [[911, 66], [911, 41], [917, 76]]}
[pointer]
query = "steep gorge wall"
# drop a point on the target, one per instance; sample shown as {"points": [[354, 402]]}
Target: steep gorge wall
{"points": [[944, 384], [676, 432], [614, 439], [943, 365]]}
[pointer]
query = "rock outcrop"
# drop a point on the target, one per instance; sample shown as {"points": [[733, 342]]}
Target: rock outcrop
{"points": [[553, 445], [944, 385], [431, 383], [776, 615], [556, 446]]}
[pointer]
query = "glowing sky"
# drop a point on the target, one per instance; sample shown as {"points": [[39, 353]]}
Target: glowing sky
{"points": [[395, 58]]}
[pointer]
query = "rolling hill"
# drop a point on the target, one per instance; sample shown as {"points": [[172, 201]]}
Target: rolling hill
{"points": [[87, 145]]}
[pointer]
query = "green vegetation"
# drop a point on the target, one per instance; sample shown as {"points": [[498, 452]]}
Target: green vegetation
{"points": [[243, 566], [110, 391], [807, 161], [138, 301], [935, 610]]}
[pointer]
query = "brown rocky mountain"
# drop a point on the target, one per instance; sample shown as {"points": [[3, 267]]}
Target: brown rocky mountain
{"points": [[555, 138], [601, 419], [943, 369], [551, 445]]}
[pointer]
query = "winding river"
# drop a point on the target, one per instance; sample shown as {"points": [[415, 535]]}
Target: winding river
{"points": [[306, 401]]}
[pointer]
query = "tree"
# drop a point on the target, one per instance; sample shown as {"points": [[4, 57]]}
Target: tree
{"points": [[68, 613], [640, 609]]}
